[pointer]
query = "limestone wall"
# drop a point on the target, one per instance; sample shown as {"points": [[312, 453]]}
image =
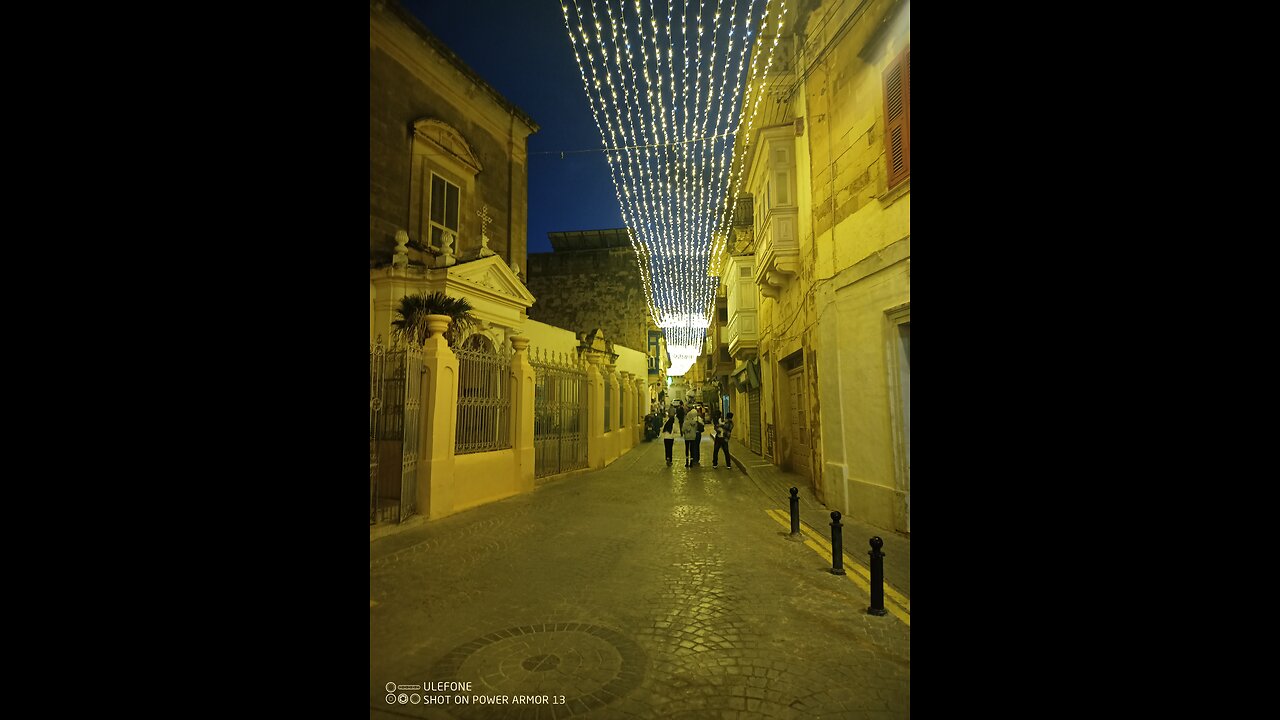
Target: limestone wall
{"points": [[411, 77], [588, 289]]}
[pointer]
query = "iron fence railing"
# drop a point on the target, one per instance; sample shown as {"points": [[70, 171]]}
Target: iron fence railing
{"points": [[376, 361], [395, 388], [559, 413], [484, 400], [608, 405]]}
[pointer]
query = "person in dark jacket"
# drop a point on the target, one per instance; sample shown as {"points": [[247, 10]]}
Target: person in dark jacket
{"points": [[723, 429], [670, 430], [699, 421]]}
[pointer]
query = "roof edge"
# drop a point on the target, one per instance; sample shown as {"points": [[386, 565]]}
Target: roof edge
{"points": [[413, 23]]}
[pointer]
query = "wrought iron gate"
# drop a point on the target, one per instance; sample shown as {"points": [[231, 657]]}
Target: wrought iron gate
{"points": [[484, 397], [559, 415], [395, 389], [376, 358]]}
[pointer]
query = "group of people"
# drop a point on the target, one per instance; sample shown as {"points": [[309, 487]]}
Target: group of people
{"points": [[688, 424]]}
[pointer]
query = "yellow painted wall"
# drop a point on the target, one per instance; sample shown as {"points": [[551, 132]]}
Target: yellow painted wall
{"points": [[632, 361], [861, 441], [845, 98], [848, 219], [549, 337], [479, 478]]}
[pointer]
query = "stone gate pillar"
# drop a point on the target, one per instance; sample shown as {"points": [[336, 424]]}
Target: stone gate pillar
{"points": [[522, 389], [440, 417], [611, 387], [595, 413], [628, 404], [642, 407]]}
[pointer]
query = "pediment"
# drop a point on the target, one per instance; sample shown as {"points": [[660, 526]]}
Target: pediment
{"points": [[493, 277], [447, 139]]}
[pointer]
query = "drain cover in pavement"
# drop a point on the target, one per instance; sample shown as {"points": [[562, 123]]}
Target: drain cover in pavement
{"points": [[580, 667]]}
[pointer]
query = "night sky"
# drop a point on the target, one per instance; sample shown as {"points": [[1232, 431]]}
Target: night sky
{"points": [[520, 47]]}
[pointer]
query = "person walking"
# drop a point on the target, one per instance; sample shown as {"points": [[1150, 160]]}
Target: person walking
{"points": [[723, 429], [689, 431], [670, 429], [699, 424]]}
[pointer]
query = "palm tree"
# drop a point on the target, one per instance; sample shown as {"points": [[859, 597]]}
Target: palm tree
{"points": [[411, 316]]}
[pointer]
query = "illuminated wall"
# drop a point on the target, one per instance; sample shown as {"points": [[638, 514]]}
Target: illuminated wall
{"points": [[412, 76]]}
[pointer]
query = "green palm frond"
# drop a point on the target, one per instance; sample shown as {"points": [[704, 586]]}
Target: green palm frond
{"points": [[411, 317]]}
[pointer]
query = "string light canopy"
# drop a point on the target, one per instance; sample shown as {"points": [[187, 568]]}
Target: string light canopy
{"points": [[664, 79]]}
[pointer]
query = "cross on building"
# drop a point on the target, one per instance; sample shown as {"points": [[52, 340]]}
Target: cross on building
{"points": [[483, 212]]}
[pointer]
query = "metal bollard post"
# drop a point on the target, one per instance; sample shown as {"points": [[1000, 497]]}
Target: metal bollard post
{"points": [[795, 516], [877, 577], [837, 552]]}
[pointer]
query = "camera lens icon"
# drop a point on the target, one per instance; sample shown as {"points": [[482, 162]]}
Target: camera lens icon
{"points": [[391, 699], [404, 698]]}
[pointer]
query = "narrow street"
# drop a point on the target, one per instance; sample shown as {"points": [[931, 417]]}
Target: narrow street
{"points": [[639, 590]]}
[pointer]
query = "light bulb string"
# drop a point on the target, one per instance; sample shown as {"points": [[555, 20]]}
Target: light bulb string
{"points": [[671, 165]]}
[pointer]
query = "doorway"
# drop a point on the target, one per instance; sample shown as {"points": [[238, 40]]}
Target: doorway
{"points": [[898, 358], [798, 448], [904, 382]]}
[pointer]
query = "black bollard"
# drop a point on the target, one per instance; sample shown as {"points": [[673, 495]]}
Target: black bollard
{"points": [[795, 516], [877, 577], [837, 551]]}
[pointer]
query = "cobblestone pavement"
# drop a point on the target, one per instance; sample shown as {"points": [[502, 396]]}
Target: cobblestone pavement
{"points": [[637, 591]]}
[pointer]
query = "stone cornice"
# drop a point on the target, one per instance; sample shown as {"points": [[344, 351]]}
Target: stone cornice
{"points": [[405, 41]]}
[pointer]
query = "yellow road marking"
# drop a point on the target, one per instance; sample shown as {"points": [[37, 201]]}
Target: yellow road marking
{"points": [[858, 566], [849, 563], [898, 605]]}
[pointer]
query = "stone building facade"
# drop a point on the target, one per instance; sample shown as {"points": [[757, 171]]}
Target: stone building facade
{"points": [[817, 273], [591, 280], [444, 146], [447, 213], [448, 208]]}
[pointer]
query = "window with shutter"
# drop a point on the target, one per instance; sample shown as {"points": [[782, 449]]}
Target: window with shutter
{"points": [[897, 117]]}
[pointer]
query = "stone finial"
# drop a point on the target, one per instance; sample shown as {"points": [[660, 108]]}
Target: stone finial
{"points": [[515, 270], [519, 343], [401, 257], [446, 258]]}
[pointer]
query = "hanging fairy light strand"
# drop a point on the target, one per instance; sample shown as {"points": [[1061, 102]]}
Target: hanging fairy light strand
{"points": [[665, 98], [741, 150]]}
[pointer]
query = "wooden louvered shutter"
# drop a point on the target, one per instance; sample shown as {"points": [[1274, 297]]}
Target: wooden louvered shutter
{"points": [[897, 117]]}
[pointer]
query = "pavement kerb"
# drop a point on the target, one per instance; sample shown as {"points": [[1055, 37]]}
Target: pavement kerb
{"points": [[775, 483]]}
